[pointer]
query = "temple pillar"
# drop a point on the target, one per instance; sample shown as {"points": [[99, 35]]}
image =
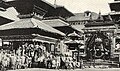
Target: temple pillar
{"points": [[84, 43], [112, 46], [62, 48], [113, 38]]}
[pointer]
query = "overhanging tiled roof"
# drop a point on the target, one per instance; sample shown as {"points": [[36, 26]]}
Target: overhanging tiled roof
{"points": [[78, 27], [55, 22], [27, 6], [4, 20], [99, 24], [30, 23], [33, 37], [99, 27], [10, 13], [62, 25]]}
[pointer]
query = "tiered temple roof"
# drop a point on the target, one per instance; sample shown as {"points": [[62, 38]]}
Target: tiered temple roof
{"points": [[28, 11], [30, 23], [61, 25], [40, 7]]}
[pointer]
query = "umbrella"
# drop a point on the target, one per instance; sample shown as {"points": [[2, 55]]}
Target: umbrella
{"points": [[73, 35], [73, 42]]}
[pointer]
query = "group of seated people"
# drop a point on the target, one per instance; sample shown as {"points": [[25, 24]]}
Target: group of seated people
{"points": [[29, 56]]}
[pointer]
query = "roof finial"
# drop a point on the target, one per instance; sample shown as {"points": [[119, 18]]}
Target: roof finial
{"points": [[99, 12], [55, 2], [99, 16]]}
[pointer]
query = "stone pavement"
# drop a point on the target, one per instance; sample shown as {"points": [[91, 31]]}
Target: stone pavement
{"points": [[88, 69]]}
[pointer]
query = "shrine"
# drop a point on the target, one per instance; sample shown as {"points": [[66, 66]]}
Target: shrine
{"points": [[102, 36]]}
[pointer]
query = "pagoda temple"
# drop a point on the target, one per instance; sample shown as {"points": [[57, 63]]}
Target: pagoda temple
{"points": [[32, 23]]}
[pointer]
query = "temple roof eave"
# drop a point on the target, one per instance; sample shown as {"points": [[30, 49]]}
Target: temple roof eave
{"points": [[30, 23], [99, 28], [32, 37], [114, 2]]}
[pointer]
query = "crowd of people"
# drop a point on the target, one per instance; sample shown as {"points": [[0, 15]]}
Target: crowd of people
{"points": [[35, 56]]}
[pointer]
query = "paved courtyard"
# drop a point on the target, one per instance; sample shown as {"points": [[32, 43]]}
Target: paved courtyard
{"points": [[88, 69]]}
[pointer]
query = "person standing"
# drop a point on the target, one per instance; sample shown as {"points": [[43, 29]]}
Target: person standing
{"points": [[53, 63], [13, 61], [58, 62], [19, 51], [81, 64]]}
